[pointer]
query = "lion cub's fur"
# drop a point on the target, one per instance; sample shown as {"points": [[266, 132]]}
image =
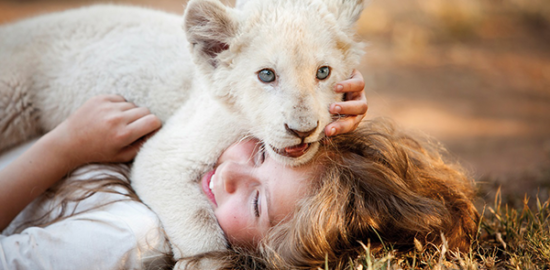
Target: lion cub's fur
{"points": [[51, 64]]}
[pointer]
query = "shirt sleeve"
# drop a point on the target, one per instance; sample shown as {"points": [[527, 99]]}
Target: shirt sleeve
{"points": [[121, 235]]}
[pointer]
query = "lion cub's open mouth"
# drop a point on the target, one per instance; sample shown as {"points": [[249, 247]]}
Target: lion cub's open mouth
{"points": [[292, 151]]}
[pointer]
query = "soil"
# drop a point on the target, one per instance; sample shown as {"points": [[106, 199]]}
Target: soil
{"points": [[474, 75]]}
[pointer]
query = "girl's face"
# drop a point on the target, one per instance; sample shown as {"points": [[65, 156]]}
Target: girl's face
{"points": [[250, 192]]}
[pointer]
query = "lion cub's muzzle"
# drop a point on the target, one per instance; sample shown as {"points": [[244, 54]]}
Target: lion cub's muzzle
{"points": [[301, 134], [299, 149]]}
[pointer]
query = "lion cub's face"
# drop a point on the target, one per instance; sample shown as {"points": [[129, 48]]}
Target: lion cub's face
{"points": [[276, 64]]}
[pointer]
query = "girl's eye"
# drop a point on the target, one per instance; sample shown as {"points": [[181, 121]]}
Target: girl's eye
{"points": [[260, 155], [266, 75], [323, 72], [256, 204]]}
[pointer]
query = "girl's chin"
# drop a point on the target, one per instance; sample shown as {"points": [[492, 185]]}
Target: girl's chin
{"points": [[205, 183]]}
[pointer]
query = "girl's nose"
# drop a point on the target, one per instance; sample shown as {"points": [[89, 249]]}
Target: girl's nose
{"points": [[236, 176]]}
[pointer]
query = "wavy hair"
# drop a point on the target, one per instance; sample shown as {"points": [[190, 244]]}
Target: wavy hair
{"points": [[378, 186]]}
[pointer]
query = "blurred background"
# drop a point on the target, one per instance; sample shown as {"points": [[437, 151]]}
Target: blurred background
{"points": [[473, 74]]}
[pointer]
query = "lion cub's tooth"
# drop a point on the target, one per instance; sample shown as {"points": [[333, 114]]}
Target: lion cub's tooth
{"points": [[211, 185]]}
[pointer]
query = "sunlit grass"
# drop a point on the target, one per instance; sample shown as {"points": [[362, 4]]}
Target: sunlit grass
{"points": [[508, 238]]}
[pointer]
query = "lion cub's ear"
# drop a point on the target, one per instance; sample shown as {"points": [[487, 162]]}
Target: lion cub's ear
{"points": [[209, 26], [347, 12]]}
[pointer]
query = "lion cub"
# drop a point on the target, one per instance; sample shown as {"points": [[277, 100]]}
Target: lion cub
{"points": [[266, 70]]}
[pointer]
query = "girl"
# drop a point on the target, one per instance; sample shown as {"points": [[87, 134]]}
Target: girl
{"points": [[93, 219], [374, 185]]}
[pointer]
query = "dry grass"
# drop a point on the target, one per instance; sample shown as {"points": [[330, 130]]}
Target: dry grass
{"points": [[508, 238], [514, 233]]}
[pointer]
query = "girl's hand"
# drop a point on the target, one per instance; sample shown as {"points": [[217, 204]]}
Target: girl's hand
{"points": [[352, 111], [106, 128]]}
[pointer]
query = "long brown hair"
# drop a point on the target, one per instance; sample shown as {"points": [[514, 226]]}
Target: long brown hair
{"points": [[378, 186]]}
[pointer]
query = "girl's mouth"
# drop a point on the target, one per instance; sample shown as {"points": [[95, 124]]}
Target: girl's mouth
{"points": [[207, 186]]}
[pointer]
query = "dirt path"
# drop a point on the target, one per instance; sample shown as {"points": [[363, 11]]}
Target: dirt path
{"points": [[473, 74]]}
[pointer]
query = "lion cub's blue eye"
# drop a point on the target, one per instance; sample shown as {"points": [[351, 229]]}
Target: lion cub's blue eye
{"points": [[266, 75], [323, 72]]}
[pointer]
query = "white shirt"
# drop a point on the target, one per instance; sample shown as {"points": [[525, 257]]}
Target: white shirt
{"points": [[118, 235]]}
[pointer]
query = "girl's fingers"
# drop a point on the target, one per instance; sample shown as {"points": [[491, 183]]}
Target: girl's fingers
{"points": [[354, 84], [112, 98], [357, 76], [118, 102], [359, 95], [143, 126], [342, 125], [353, 108], [123, 106], [135, 113]]}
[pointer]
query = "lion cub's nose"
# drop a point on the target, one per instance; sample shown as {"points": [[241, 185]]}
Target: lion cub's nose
{"points": [[301, 134]]}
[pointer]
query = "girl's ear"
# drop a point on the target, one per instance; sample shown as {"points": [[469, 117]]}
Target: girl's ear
{"points": [[209, 26]]}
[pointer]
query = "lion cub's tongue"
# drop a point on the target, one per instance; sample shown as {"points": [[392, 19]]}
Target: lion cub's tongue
{"points": [[297, 150]]}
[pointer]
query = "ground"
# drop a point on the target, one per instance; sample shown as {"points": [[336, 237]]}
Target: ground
{"points": [[473, 74]]}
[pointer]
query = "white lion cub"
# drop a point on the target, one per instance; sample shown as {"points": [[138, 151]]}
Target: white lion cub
{"points": [[266, 70]]}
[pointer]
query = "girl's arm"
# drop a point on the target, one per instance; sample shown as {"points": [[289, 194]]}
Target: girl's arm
{"points": [[105, 129], [353, 108]]}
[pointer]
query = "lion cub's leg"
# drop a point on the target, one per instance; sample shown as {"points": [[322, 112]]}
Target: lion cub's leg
{"points": [[18, 115]]}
